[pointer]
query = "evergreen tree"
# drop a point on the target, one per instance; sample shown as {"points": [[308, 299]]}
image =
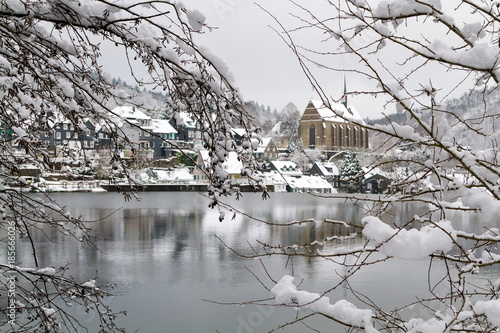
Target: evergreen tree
{"points": [[351, 173], [294, 144]]}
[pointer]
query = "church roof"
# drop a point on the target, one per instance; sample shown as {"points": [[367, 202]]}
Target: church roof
{"points": [[350, 113]]}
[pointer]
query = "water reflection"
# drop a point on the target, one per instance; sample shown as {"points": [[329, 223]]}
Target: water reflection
{"points": [[163, 256]]}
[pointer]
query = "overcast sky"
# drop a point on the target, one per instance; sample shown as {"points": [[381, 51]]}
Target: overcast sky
{"points": [[263, 66], [266, 70]]}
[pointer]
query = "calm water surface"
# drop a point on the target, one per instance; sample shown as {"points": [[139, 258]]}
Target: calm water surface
{"points": [[163, 255]]}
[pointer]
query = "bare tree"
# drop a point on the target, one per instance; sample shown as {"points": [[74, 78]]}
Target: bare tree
{"points": [[51, 70], [414, 55], [289, 118]]}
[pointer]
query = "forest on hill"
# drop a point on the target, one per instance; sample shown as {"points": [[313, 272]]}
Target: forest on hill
{"points": [[480, 110]]}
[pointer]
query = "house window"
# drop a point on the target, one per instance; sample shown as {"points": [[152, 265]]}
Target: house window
{"points": [[58, 135], [85, 144], [355, 137], [312, 136], [101, 136], [361, 137], [65, 127], [91, 144], [348, 137], [68, 135]]}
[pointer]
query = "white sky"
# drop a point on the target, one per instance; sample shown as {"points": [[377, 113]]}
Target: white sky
{"points": [[266, 70]]}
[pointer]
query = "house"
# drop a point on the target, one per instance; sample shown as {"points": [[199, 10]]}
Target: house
{"points": [[375, 181], [232, 166], [68, 139], [103, 138], [275, 182], [188, 129], [266, 149], [322, 128], [163, 135], [147, 137], [137, 127], [280, 134], [327, 171]]}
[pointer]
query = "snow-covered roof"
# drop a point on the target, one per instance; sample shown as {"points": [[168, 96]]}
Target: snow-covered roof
{"points": [[287, 168], [308, 182], [130, 112], [273, 179], [327, 169], [162, 126], [373, 172], [327, 114], [263, 145], [276, 130], [238, 131]]}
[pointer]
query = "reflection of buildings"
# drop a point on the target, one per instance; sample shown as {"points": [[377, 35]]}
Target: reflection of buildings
{"points": [[324, 230]]}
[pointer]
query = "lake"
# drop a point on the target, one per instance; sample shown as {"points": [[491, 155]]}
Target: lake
{"points": [[170, 269]]}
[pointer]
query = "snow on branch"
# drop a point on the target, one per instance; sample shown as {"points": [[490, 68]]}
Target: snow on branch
{"points": [[286, 293]]}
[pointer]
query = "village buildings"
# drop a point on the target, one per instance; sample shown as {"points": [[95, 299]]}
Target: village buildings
{"points": [[331, 130]]}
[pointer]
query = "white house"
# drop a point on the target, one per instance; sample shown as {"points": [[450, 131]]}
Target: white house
{"points": [[266, 149]]}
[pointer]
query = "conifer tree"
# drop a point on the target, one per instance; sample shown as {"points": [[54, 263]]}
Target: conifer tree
{"points": [[351, 172]]}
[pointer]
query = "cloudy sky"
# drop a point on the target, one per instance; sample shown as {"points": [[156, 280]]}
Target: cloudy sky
{"points": [[264, 68], [268, 72]]}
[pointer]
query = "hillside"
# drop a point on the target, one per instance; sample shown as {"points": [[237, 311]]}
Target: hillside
{"points": [[155, 106], [480, 113]]}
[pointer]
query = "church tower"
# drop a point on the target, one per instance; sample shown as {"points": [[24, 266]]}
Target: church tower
{"points": [[344, 97]]}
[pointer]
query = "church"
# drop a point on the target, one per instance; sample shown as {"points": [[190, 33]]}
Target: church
{"points": [[322, 128]]}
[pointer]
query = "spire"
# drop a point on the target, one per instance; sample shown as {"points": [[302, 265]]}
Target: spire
{"points": [[344, 97]]}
